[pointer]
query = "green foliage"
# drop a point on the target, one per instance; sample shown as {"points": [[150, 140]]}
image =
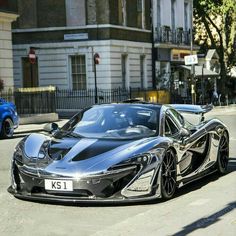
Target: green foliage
{"points": [[215, 27]]}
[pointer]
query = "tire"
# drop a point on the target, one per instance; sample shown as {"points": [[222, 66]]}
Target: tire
{"points": [[223, 154], [168, 175], [7, 128]]}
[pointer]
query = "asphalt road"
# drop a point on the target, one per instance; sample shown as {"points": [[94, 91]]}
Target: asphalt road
{"points": [[204, 207]]}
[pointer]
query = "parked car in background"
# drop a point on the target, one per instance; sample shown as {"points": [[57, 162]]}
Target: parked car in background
{"points": [[9, 119]]}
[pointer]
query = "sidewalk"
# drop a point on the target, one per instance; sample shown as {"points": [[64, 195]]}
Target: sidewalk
{"points": [[225, 110], [36, 127]]}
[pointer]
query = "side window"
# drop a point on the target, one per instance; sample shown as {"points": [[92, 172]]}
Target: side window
{"points": [[178, 117], [170, 128]]}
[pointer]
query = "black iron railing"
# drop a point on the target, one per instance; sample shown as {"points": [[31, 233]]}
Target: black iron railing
{"points": [[78, 99], [31, 102], [49, 101], [40, 101], [165, 34]]}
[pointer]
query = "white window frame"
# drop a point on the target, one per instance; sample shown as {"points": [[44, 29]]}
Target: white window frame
{"points": [[141, 3], [86, 71]]}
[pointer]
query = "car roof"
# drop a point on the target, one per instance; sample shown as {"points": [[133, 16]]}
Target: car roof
{"points": [[136, 103]]}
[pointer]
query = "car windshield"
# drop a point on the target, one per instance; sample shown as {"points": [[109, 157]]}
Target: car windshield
{"points": [[118, 121]]}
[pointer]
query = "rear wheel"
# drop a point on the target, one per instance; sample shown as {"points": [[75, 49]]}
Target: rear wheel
{"points": [[223, 154], [168, 176], [7, 128]]}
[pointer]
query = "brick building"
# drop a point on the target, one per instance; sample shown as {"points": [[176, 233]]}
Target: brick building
{"points": [[65, 34]]}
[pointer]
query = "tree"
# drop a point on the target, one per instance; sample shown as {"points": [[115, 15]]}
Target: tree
{"points": [[215, 26]]}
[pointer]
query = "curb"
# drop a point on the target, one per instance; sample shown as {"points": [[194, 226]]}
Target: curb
{"points": [[31, 127], [38, 118], [28, 131]]}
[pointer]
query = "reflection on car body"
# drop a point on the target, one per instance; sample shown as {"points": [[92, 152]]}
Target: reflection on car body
{"points": [[119, 153]]}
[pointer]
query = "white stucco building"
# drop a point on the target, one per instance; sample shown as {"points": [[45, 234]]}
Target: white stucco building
{"points": [[172, 24], [6, 58], [65, 34]]}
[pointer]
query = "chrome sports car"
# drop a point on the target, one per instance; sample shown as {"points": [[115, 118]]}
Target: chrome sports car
{"points": [[119, 152]]}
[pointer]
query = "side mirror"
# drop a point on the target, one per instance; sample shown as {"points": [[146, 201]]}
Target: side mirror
{"points": [[184, 132], [51, 127]]}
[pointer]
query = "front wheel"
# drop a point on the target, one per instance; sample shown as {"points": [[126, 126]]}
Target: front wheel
{"points": [[7, 128], [168, 175], [223, 154]]}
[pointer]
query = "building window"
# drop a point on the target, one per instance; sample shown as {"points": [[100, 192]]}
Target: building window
{"points": [[186, 17], [141, 13], [122, 12], [173, 14], [142, 71], [124, 70], [50, 13], [75, 12], [78, 72], [158, 13], [139, 5]]}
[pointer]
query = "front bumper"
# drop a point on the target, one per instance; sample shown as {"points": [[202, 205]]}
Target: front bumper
{"points": [[120, 187]]}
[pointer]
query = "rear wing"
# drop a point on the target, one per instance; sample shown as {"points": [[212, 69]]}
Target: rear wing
{"points": [[195, 109]]}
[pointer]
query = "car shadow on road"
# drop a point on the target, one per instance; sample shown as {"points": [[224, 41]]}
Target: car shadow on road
{"points": [[195, 185], [204, 222]]}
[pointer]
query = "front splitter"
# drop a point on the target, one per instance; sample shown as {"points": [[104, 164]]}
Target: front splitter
{"points": [[45, 198]]}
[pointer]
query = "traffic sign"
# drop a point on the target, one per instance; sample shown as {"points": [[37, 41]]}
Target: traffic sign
{"points": [[32, 56], [191, 60], [96, 58]]}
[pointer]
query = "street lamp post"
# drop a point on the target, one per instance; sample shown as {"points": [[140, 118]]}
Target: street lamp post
{"points": [[193, 84], [202, 85], [32, 60], [96, 60]]}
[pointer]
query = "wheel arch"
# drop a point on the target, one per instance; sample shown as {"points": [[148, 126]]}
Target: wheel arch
{"points": [[2, 122]]}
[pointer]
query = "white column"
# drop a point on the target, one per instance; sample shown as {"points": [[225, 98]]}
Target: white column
{"points": [[6, 57]]}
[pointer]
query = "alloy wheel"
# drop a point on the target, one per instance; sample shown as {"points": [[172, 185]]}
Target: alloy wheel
{"points": [[168, 175], [8, 128], [223, 154]]}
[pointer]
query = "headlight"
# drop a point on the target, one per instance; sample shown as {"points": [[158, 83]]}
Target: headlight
{"points": [[18, 153], [144, 159], [149, 157], [43, 152]]}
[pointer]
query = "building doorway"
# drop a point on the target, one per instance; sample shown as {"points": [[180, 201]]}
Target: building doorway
{"points": [[30, 73]]}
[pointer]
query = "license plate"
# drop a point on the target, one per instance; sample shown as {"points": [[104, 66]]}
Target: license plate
{"points": [[59, 185]]}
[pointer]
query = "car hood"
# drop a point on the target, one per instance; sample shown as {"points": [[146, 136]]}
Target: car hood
{"points": [[81, 156]]}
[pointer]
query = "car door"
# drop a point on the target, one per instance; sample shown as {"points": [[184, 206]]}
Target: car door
{"points": [[193, 148]]}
